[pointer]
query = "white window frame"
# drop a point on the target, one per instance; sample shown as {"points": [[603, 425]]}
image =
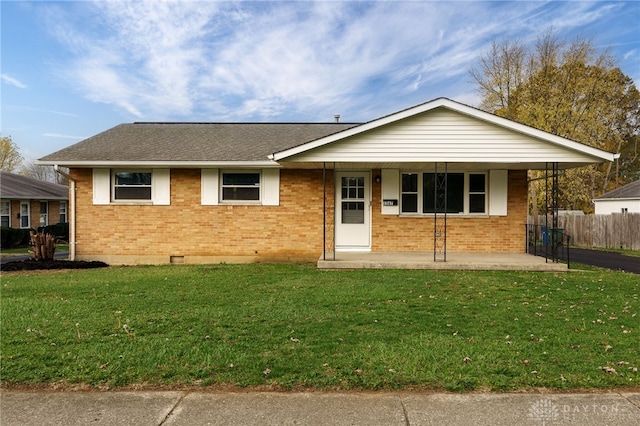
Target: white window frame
{"points": [[468, 193], [465, 199], [104, 189], [44, 217], [114, 172], [6, 214], [22, 214], [211, 187], [241, 202], [63, 212]]}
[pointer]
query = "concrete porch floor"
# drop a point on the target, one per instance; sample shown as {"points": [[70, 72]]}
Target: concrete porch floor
{"points": [[424, 260]]}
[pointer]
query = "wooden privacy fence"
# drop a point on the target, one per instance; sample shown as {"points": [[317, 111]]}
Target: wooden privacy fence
{"points": [[617, 230]]}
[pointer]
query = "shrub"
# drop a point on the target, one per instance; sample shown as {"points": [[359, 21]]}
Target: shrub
{"points": [[59, 230], [12, 237]]}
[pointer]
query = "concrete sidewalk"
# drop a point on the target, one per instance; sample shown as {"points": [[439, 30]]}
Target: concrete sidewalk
{"points": [[311, 408]]}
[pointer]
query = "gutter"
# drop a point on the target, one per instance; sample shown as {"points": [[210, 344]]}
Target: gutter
{"points": [[72, 212], [263, 164]]}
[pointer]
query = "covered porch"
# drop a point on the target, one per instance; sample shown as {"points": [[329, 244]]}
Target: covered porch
{"points": [[425, 260], [438, 186]]}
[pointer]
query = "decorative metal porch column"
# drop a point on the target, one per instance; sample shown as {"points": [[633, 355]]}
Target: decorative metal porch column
{"points": [[440, 222], [551, 209], [324, 211]]}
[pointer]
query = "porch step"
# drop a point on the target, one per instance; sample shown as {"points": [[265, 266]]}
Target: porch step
{"points": [[423, 260]]}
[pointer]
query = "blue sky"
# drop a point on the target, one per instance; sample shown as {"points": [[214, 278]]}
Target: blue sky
{"points": [[71, 69]]}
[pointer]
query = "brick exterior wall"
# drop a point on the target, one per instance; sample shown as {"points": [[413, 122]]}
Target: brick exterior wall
{"points": [[489, 234], [188, 232]]}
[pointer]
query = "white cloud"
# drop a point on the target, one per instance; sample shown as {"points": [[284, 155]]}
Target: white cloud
{"points": [[268, 60], [62, 136], [12, 81]]}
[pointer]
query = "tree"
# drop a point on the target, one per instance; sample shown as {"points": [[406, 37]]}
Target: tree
{"points": [[44, 173], [572, 91], [10, 158]]}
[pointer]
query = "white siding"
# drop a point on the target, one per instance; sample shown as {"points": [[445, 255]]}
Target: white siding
{"points": [[616, 206], [444, 136], [101, 186]]}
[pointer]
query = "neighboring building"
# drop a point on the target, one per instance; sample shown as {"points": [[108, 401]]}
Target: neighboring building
{"points": [[625, 199], [215, 192], [29, 203]]}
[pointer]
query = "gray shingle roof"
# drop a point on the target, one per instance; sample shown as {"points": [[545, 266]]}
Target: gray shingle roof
{"points": [[630, 190], [17, 187], [193, 141]]}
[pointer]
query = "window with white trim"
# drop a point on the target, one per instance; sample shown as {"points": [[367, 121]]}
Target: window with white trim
{"points": [[44, 213], [63, 212], [5, 214], [424, 193], [130, 185], [240, 186], [25, 211], [477, 192]]}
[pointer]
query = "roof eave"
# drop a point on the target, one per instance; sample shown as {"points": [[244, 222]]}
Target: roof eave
{"points": [[617, 199], [159, 164], [33, 197]]}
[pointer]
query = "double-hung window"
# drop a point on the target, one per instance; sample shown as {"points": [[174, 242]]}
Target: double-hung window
{"points": [[455, 193], [410, 192], [255, 187], [25, 212], [132, 185], [5, 214], [240, 186], [44, 213], [63, 212], [477, 192]]}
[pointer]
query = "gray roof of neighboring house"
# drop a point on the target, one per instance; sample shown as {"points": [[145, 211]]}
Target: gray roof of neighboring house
{"points": [[631, 190], [194, 141], [17, 187]]}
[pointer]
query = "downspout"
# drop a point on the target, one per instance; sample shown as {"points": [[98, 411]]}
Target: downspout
{"points": [[72, 212]]}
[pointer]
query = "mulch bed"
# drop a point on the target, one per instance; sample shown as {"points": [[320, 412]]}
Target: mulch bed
{"points": [[32, 265]]}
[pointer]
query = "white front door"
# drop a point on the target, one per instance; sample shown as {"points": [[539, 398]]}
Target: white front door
{"points": [[353, 211]]}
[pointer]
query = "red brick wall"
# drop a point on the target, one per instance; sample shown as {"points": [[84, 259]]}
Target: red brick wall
{"points": [[292, 231]]}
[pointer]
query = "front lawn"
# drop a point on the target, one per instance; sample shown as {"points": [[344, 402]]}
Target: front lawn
{"points": [[292, 327]]}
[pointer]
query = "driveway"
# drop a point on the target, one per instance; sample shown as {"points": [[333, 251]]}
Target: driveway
{"points": [[62, 255], [605, 259]]}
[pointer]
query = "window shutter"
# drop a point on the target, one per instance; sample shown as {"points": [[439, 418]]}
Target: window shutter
{"points": [[498, 184], [161, 187], [271, 187], [209, 187], [101, 186], [391, 190]]}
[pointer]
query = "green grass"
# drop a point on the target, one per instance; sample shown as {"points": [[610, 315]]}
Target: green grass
{"points": [[292, 327]]}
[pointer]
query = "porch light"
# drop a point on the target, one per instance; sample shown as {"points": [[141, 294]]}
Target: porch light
{"points": [[378, 179]]}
